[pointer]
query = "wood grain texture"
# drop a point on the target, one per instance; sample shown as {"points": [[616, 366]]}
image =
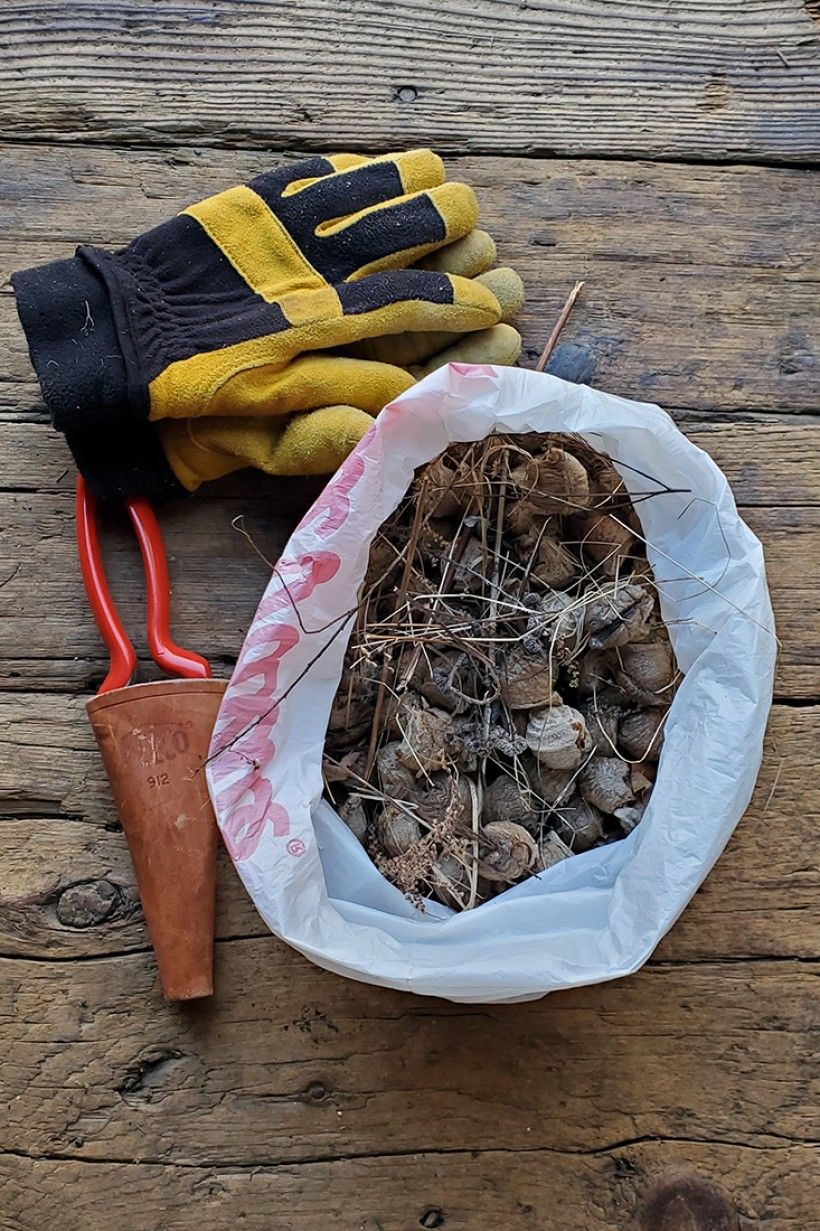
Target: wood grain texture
{"points": [[701, 283], [219, 580], [296, 1100], [96, 1066], [721, 80], [768, 460], [492, 1190], [68, 889]]}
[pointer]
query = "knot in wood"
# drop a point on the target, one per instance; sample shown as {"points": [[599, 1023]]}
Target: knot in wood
{"points": [[87, 903], [687, 1203]]}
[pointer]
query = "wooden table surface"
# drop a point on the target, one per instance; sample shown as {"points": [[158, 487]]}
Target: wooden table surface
{"points": [[663, 152]]}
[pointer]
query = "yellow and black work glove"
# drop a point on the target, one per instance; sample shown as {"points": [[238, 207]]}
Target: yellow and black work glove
{"points": [[221, 310], [318, 441]]}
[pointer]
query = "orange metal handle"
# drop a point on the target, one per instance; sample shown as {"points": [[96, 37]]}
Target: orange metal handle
{"points": [[173, 659]]}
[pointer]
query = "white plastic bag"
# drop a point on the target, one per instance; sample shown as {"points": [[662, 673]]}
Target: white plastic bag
{"points": [[593, 917]]}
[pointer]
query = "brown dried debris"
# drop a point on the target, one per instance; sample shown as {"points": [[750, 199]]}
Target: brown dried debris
{"points": [[509, 852], [553, 481], [506, 684], [558, 737], [605, 783]]}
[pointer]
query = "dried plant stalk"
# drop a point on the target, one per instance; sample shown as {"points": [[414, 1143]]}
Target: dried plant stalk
{"points": [[506, 685]]}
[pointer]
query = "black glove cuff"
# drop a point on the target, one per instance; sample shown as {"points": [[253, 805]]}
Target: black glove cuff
{"points": [[80, 344], [125, 462]]}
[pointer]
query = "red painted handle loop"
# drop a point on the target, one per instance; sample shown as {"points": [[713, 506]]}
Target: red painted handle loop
{"points": [[123, 654], [172, 658], [166, 653]]}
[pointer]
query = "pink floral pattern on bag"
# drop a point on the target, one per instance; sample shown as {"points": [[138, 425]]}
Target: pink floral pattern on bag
{"points": [[242, 744]]}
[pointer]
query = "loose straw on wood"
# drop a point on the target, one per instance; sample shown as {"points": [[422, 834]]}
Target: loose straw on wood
{"points": [[559, 325]]}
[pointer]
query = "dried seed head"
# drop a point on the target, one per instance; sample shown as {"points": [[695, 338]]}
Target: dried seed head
{"points": [[450, 881], [436, 486], [559, 622], [553, 786], [426, 733], [554, 481], [527, 680], [605, 783], [469, 571], [396, 830], [507, 799], [354, 816], [395, 779], [619, 616], [509, 852], [595, 669], [645, 671], [551, 850], [640, 734], [558, 737], [602, 725], [435, 543], [580, 825], [383, 559], [554, 565], [606, 541], [524, 520]]}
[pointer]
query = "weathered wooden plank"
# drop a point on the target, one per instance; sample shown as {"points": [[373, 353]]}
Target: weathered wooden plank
{"points": [[701, 283], [68, 889], [288, 1063], [219, 579], [719, 81], [536, 1190], [768, 460]]}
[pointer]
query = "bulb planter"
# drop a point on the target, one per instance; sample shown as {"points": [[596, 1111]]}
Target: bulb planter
{"points": [[154, 742]]}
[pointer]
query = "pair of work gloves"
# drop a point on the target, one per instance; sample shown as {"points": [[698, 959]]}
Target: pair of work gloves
{"points": [[266, 325]]}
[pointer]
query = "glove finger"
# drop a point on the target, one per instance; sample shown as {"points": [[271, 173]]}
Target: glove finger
{"points": [[359, 183], [507, 287], [318, 442], [395, 234], [269, 391], [417, 346], [500, 345], [249, 374], [199, 450], [408, 300], [467, 257]]}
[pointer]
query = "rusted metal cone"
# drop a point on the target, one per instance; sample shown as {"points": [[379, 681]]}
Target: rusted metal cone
{"points": [[154, 740]]}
